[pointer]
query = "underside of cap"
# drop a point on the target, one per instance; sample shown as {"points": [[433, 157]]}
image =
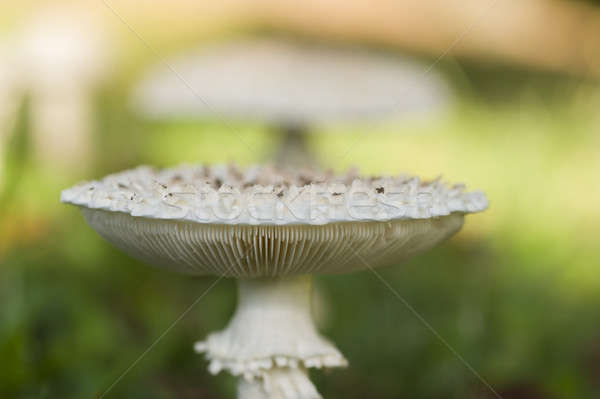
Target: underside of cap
{"points": [[248, 251]]}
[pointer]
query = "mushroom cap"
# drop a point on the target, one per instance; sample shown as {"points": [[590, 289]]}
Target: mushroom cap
{"points": [[262, 221], [289, 83], [63, 48]]}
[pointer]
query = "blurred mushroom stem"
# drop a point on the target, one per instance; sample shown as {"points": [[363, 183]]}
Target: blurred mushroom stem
{"points": [[293, 148], [61, 123], [272, 340]]}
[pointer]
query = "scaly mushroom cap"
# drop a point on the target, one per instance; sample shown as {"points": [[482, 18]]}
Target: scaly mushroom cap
{"points": [[268, 222]]}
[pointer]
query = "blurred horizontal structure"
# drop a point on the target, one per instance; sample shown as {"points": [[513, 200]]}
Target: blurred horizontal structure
{"points": [[554, 35], [545, 34]]}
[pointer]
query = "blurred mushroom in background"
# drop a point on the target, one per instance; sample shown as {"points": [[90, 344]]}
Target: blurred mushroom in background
{"points": [[292, 86], [63, 57]]}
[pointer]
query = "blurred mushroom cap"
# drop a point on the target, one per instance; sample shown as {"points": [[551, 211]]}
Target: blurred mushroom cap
{"points": [[262, 221], [62, 48], [283, 82]]}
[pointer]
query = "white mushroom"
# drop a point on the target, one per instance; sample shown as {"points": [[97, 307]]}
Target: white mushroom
{"points": [[270, 229], [63, 56], [292, 86]]}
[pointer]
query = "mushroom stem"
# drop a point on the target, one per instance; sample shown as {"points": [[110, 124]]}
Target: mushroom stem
{"points": [[272, 340], [279, 383], [293, 149]]}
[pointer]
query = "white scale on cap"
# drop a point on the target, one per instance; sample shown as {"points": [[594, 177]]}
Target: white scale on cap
{"points": [[266, 195]]}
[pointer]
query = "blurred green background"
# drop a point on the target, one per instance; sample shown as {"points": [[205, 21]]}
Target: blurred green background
{"points": [[516, 293]]}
